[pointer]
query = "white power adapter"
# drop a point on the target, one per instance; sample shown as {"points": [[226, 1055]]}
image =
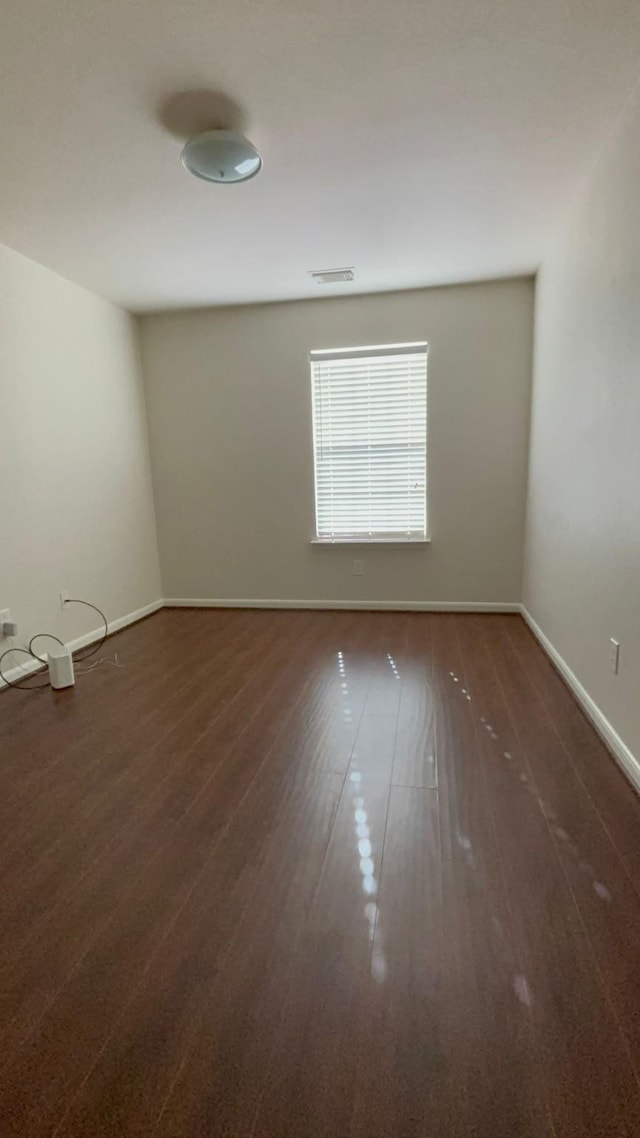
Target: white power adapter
{"points": [[61, 667]]}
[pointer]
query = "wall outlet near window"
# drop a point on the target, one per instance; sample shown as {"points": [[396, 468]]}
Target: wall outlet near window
{"points": [[614, 656], [358, 568]]}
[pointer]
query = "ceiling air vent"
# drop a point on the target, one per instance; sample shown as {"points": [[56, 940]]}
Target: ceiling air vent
{"points": [[332, 276]]}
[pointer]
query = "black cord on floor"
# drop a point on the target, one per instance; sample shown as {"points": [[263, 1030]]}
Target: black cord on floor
{"points": [[98, 646], [49, 636], [76, 658], [10, 683]]}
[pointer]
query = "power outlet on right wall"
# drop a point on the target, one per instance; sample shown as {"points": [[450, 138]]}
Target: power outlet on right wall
{"points": [[614, 656]]}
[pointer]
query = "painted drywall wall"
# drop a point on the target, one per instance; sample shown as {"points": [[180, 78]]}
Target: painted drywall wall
{"points": [[229, 404], [582, 576], [75, 487]]}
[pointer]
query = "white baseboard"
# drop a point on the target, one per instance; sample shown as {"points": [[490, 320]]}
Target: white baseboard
{"points": [[625, 757], [628, 761], [31, 666], [18, 673], [368, 606], [115, 625]]}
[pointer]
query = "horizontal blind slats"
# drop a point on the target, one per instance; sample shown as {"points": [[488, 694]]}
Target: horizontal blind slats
{"points": [[370, 430], [328, 355]]}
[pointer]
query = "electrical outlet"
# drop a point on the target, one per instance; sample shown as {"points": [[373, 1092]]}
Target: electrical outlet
{"points": [[614, 656], [64, 597], [5, 616], [358, 568]]}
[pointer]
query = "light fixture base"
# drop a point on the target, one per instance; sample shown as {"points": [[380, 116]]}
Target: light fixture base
{"points": [[221, 156]]}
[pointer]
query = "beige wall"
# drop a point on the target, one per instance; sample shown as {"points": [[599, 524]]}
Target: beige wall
{"points": [[228, 396], [582, 581], [75, 488]]}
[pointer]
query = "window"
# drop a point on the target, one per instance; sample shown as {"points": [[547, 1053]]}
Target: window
{"points": [[370, 443]]}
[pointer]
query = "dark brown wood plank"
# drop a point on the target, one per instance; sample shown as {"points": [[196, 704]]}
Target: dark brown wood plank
{"points": [[310, 1083], [612, 795], [401, 1084], [594, 872], [585, 1064], [316, 873], [486, 1022], [196, 808], [415, 751]]}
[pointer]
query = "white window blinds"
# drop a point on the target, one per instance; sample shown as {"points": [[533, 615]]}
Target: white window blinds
{"points": [[370, 443]]}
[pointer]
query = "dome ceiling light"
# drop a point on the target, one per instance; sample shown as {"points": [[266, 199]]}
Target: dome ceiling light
{"points": [[221, 156]]}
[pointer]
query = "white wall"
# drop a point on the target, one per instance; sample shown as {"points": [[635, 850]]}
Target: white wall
{"points": [[228, 396], [582, 580], [75, 488]]}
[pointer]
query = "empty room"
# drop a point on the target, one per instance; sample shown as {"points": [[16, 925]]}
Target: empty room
{"points": [[320, 569]]}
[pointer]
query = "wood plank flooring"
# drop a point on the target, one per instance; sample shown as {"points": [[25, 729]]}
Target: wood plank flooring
{"points": [[316, 874]]}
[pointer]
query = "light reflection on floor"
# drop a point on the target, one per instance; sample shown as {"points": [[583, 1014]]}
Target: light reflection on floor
{"points": [[520, 984], [363, 845]]}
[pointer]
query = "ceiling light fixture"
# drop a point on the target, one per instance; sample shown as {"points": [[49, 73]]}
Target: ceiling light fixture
{"points": [[221, 156]]}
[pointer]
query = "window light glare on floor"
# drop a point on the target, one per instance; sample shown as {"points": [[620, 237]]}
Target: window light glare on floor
{"points": [[370, 442]]}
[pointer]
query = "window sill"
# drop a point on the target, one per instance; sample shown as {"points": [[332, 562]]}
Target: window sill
{"points": [[370, 541]]}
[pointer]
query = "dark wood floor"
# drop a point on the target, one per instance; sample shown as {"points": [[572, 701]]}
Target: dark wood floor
{"points": [[317, 874]]}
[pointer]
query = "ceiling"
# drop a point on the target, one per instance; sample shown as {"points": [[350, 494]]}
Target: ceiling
{"points": [[421, 142]]}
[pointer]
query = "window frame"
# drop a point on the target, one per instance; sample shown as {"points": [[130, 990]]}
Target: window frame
{"points": [[315, 355]]}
